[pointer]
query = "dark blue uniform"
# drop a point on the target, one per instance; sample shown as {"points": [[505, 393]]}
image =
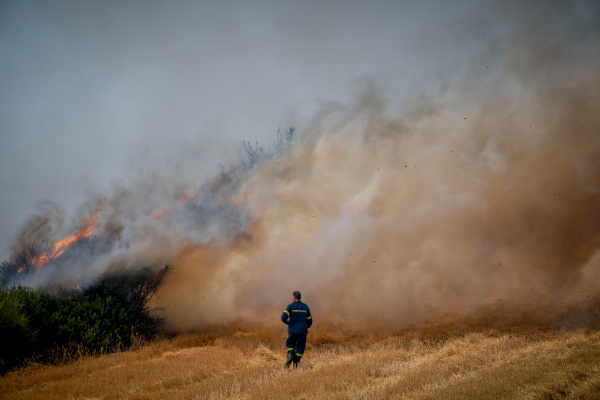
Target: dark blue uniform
{"points": [[300, 320]]}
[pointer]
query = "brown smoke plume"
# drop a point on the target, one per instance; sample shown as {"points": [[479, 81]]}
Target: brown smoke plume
{"points": [[379, 215], [490, 193]]}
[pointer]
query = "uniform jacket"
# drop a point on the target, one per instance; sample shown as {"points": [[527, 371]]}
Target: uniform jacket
{"points": [[300, 318]]}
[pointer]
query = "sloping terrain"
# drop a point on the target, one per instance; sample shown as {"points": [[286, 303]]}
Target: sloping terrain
{"points": [[241, 362]]}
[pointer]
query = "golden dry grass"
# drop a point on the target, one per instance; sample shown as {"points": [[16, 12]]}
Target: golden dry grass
{"points": [[243, 361]]}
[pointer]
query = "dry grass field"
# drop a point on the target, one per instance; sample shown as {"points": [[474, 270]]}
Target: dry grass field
{"points": [[527, 358]]}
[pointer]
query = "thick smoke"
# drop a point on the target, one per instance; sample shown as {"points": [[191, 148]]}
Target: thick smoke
{"points": [[488, 189]]}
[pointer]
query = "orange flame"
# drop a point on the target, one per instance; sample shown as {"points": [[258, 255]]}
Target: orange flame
{"points": [[59, 248]]}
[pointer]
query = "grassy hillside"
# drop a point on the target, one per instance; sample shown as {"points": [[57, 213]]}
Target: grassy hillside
{"points": [[241, 361]]}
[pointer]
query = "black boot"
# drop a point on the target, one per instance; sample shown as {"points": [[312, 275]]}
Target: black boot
{"points": [[290, 358], [296, 362]]}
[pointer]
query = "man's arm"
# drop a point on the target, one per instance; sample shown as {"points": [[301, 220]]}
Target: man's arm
{"points": [[309, 319], [285, 315]]}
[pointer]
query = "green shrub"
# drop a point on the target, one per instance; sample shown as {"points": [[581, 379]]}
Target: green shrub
{"points": [[94, 322], [105, 316], [17, 336]]}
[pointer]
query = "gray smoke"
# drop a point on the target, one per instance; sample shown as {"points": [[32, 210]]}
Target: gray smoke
{"points": [[486, 187]]}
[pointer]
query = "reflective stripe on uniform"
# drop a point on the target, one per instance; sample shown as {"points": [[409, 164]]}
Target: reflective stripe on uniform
{"points": [[287, 312], [298, 310], [309, 317], [299, 354], [290, 349]]}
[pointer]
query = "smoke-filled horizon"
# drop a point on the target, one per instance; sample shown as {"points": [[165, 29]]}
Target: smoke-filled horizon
{"points": [[97, 93], [486, 187]]}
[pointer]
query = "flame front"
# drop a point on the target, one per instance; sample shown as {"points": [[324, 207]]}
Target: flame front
{"points": [[59, 248]]}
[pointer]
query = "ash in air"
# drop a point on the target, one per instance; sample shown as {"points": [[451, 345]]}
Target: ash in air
{"points": [[459, 198], [111, 237]]}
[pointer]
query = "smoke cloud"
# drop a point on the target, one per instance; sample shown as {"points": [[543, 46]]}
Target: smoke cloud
{"points": [[487, 189]]}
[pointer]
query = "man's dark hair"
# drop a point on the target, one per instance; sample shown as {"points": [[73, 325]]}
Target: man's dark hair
{"points": [[297, 295]]}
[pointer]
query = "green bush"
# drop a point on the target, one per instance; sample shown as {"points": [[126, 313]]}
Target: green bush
{"points": [[17, 336], [106, 316], [94, 322]]}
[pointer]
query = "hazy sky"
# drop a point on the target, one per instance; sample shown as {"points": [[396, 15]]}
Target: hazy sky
{"points": [[89, 89]]}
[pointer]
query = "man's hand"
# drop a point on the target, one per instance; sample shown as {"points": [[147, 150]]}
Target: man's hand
{"points": [[285, 322]]}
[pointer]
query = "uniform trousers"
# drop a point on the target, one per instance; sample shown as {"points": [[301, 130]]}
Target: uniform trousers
{"points": [[296, 342]]}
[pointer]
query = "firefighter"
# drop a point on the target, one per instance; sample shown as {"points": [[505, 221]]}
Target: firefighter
{"points": [[300, 320]]}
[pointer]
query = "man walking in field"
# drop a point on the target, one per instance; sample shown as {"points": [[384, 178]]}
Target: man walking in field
{"points": [[299, 322]]}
